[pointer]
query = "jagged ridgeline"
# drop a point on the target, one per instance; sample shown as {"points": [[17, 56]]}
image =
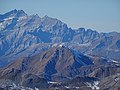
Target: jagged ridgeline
{"points": [[26, 35]]}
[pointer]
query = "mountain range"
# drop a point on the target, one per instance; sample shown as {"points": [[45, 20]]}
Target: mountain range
{"points": [[45, 53], [21, 34]]}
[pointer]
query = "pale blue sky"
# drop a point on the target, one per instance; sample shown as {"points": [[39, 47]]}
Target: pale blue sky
{"points": [[100, 15]]}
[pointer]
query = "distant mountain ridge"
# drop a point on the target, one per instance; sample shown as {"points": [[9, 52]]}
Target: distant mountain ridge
{"points": [[24, 35]]}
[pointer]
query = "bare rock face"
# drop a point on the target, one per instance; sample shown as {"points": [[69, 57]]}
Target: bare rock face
{"points": [[105, 71], [111, 82], [27, 82], [58, 61], [33, 81]]}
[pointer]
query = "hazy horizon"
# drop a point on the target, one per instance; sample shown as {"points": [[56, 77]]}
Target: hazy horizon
{"points": [[102, 16]]}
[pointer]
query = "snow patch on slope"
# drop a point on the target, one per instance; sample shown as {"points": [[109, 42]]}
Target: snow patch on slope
{"points": [[8, 18], [94, 85]]}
